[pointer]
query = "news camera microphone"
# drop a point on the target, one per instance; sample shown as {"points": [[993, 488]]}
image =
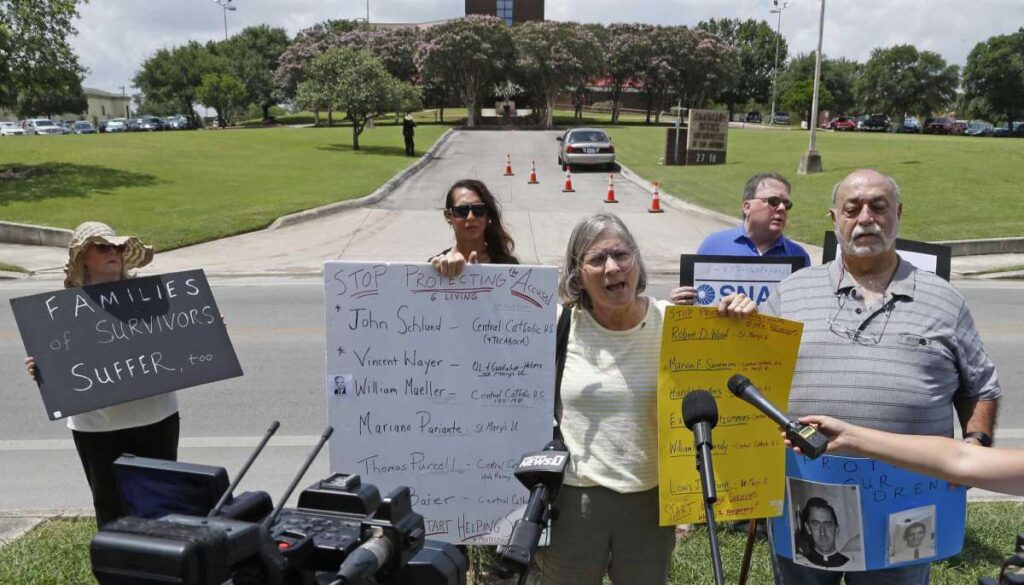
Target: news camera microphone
{"points": [[700, 415], [811, 442], [542, 473], [245, 469], [272, 518]]}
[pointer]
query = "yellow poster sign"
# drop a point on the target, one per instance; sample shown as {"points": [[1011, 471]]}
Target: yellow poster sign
{"points": [[701, 350]]}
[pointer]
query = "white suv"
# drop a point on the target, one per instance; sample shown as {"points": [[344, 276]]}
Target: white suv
{"points": [[42, 126], [10, 129]]}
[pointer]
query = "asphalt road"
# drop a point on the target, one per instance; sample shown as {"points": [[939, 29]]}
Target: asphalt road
{"points": [[276, 325]]}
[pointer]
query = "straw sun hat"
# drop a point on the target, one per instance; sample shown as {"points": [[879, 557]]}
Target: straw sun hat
{"points": [[135, 255]]}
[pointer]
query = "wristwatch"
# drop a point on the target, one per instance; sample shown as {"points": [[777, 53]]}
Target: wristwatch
{"points": [[984, 439]]}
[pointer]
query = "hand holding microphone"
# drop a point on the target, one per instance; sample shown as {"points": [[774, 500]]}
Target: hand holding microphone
{"points": [[805, 437]]}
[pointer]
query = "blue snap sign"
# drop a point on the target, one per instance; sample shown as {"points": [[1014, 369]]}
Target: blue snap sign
{"points": [[716, 277]]}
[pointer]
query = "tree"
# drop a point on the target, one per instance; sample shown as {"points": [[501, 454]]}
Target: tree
{"points": [[994, 78], [396, 48], [39, 71], [308, 44], [253, 56], [625, 53], [799, 97], [173, 75], [555, 55], [754, 42], [657, 66], [837, 75], [355, 82], [704, 68], [223, 92], [470, 53], [901, 80]]}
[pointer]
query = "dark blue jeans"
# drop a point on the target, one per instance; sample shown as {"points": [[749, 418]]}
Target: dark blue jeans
{"points": [[789, 573]]}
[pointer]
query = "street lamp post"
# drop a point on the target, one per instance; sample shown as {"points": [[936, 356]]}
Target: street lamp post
{"points": [[778, 37], [226, 5], [810, 163]]}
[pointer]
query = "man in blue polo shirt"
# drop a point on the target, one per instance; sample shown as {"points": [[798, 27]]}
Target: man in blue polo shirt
{"points": [[766, 206]]}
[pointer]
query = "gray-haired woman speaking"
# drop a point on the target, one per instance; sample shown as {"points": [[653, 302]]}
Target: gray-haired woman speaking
{"points": [[608, 507]]}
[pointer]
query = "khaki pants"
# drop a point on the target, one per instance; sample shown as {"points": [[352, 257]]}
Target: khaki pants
{"points": [[600, 531]]}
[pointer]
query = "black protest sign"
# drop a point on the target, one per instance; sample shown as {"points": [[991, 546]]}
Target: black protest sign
{"points": [[934, 258], [111, 343]]}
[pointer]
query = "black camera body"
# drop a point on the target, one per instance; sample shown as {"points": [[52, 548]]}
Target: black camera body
{"points": [[1011, 570]]}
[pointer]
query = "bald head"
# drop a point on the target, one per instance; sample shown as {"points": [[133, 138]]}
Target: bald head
{"points": [[867, 177]]}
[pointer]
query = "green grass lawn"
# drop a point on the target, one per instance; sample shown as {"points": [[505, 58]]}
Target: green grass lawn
{"points": [[180, 188], [953, 187], [57, 552]]}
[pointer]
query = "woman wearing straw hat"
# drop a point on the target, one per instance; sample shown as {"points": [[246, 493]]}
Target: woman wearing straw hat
{"points": [[146, 427]]}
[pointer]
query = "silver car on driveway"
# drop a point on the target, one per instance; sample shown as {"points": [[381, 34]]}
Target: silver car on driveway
{"points": [[586, 146]]}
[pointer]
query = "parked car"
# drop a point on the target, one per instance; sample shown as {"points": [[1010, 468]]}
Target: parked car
{"points": [[938, 126], [958, 127], [10, 129], [910, 126], [1003, 131], [117, 125], [842, 124], [977, 128], [150, 123], [586, 146], [177, 122], [754, 117], [781, 118], [134, 124], [83, 127], [876, 123], [42, 126]]}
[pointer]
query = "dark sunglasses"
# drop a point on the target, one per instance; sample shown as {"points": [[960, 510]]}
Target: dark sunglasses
{"points": [[774, 201], [107, 248], [478, 210]]}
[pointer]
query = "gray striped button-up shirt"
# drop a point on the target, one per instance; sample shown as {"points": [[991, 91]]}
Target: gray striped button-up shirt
{"points": [[897, 367]]}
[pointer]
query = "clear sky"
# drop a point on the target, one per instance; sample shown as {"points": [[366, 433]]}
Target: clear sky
{"points": [[116, 36]]}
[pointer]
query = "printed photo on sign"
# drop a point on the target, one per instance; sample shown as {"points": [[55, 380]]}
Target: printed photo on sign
{"points": [[827, 531], [716, 276], [911, 535], [339, 385]]}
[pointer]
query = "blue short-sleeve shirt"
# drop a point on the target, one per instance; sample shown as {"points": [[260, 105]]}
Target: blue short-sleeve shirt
{"points": [[736, 242]]}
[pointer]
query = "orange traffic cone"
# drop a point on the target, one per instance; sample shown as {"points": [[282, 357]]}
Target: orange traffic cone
{"points": [[610, 198], [508, 165], [655, 201], [568, 183], [533, 173]]}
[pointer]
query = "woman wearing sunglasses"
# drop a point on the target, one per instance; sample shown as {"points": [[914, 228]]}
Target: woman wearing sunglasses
{"points": [[147, 427], [480, 237]]}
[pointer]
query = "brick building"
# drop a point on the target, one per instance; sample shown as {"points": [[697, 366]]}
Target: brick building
{"points": [[509, 10]]}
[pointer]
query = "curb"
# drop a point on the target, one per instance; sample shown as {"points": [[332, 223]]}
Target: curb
{"points": [[381, 192], [985, 246], [34, 235], [674, 201]]}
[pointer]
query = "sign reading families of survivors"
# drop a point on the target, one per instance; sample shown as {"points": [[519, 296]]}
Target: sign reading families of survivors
{"points": [[715, 276], [853, 514], [934, 258], [706, 137], [441, 384], [701, 350], [106, 344]]}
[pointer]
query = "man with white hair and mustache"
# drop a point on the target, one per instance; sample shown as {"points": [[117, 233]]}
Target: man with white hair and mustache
{"points": [[884, 345]]}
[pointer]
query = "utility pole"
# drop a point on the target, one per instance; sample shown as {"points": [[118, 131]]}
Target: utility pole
{"points": [[810, 163], [778, 37]]}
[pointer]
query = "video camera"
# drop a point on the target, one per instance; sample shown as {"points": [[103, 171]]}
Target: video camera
{"points": [[1011, 571], [342, 532]]}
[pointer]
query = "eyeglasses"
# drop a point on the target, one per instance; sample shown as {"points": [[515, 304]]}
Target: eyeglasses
{"points": [[622, 257], [858, 335], [463, 211], [107, 248], [774, 201]]}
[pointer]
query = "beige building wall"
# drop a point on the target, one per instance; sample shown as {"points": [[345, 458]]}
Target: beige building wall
{"points": [[101, 105]]}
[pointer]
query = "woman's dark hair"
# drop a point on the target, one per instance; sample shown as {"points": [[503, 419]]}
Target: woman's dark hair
{"points": [[499, 244]]}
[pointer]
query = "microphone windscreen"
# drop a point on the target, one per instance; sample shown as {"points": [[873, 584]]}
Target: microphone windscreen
{"points": [[738, 383], [699, 406]]}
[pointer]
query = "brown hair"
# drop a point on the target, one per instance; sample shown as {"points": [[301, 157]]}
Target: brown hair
{"points": [[499, 243]]}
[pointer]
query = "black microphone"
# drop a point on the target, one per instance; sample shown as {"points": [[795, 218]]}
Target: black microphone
{"points": [[700, 415], [542, 473], [811, 442]]}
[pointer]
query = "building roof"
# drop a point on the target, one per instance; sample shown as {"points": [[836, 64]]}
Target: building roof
{"points": [[100, 93], [419, 25]]}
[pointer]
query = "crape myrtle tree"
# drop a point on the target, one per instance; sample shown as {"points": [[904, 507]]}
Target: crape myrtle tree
{"points": [[625, 52], [39, 71], [555, 55], [355, 82], [754, 44], [993, 80], [703, 67], [223, 92], [173, 75], [471, 53], [253, 56], [308, 44], [901, 80], [396, 50], [657, 67]]}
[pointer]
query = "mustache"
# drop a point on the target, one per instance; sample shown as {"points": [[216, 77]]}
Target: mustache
{"points": [[869, 230]]}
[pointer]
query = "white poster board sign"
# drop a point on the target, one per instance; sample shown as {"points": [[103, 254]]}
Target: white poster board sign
{"points": [[716, 277], [441, 385]]}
